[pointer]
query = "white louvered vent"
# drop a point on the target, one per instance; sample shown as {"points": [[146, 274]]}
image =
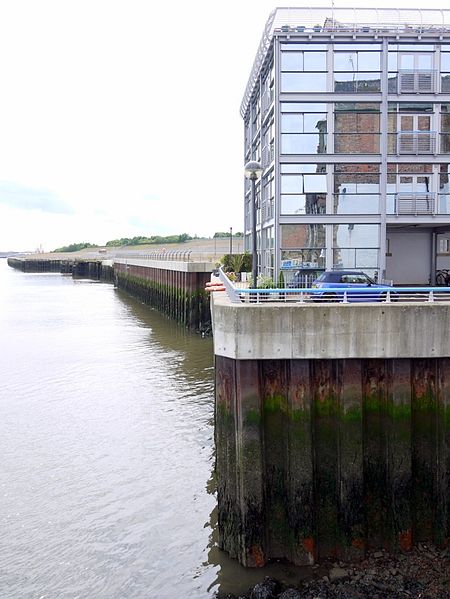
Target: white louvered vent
{"points": [[416, 142], [416, 82]]}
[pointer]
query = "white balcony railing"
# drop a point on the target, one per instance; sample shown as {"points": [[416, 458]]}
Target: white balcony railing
{"points": [[417, 81], [268, 154], [415, 204], [416, 142]]}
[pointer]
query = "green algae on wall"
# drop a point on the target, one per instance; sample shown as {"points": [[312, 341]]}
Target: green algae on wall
{"points": [[177, 294], [330, 457]]}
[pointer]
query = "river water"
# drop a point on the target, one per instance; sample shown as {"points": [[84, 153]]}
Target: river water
{"points": [[106, 445]]}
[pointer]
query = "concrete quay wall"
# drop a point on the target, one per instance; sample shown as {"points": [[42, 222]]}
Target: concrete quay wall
{"points": [[332, 429]]}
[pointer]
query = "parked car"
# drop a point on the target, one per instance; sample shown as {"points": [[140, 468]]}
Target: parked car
{"points": [[331, 285]]}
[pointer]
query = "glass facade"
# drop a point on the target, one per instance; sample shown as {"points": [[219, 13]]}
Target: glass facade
{"points": [[341, 163]]}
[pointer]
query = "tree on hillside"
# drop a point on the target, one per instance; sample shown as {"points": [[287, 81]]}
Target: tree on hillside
{"points": [[153, 240], [75, 247]]}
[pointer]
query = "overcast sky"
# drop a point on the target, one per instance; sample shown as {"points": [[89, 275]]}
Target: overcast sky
{"points": [[121, 117]]}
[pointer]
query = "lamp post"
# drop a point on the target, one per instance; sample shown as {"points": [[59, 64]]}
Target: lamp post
{"points": [[253, 170]]}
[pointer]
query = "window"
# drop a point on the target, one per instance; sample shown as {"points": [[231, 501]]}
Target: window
{"points": [[411, 68], [407, 183], [356, 128], [303, 245], [445, 69], [355, 279], [268, 90], [445, 129], [357, 71], [303, 128], [302, 70], [444, 189], [267, 207], [303, 189], [355, 246], [444, 245], [410, 128], [268, 148], [356, 189]]}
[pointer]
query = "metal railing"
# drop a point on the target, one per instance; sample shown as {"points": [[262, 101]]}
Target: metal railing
{"points": [[175, 255], [416, 142], [415, 203], [333, 295]]}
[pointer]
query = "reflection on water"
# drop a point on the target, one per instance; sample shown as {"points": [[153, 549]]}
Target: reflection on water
{"points": [[106, 438]]}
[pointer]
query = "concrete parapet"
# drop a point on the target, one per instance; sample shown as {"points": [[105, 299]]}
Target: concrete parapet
{"points": [[323, 447], [175, 265], [290, 331], [179, 293]]}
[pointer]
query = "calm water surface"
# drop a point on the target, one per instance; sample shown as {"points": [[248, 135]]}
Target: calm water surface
{"points": [[106, 445]]}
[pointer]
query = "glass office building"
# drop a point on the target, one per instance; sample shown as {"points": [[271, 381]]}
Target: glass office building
{"points": [[348, 112]]}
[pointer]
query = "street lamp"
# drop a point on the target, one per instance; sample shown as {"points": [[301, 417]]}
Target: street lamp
{"points": [[253, 171]]}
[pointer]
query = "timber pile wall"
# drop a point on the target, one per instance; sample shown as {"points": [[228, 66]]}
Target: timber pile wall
{"points": [[91, 269], [179, 294], [325, 458]]}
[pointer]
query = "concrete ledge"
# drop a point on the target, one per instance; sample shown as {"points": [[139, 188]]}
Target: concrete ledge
{"points": [[291, 331], [168, 265]]}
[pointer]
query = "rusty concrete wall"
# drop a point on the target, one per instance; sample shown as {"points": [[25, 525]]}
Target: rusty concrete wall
{"points": [[179, 294], [325, 458]]}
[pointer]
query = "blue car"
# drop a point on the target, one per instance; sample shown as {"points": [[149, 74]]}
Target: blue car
{"points": [[356, 285]]}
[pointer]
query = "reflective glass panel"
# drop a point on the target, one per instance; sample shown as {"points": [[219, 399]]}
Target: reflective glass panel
{"points": [[416, 47], [356, 143], [445, 143], [392, 61], [293, 204], [445, 83], [345, 61], [355, 236], [303, 143], [315, 183], [303, 82], [314, 122], [357, 47], [348, 203], [292, 61], [407, 61], [445, 61], [302, 236], [296, 46], [292, 184], [302, 168], [368, 61], [425, 61], [303, 107], [315, 61], [357, 82], [292, 123], [356, 122]]}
